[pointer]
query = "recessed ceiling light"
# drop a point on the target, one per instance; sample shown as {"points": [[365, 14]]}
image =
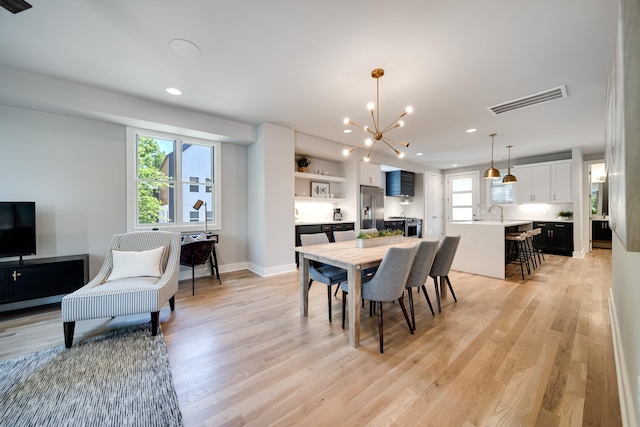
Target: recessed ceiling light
{"points": [[347, 131], [173, 91], [454, 165], [419, 154], [185, 48], [471, 130]]}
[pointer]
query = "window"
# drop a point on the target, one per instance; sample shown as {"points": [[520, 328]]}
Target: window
{"points": [[462, 196], [194, 188], [167, 174], [499, 193]]}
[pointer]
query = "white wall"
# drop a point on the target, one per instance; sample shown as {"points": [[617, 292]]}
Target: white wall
{"points": [[626, 299], [74, 169], [271, 225]]}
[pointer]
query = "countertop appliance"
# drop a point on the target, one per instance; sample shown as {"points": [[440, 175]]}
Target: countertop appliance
{"points": [[371, 207], [412, 226], [337, 215]]}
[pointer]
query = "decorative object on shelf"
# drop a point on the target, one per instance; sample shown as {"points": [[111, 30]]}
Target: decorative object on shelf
{"points": [[508, 178], [197, 206], [565, 214], [492, 172], [303, 163], [319, 189], [378, 133], [383, 237]]}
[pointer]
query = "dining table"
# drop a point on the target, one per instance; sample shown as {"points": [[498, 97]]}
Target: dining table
{"points": [[348, 256]]}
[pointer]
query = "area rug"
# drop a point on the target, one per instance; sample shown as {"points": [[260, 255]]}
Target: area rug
{"points": [[121, 378]]}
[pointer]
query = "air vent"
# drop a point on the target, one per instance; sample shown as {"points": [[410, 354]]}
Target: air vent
{"points": [[528, 101]]}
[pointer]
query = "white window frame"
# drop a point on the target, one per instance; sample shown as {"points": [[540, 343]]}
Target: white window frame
{"points": [[487, 182], [132, 183], [475, 192]]}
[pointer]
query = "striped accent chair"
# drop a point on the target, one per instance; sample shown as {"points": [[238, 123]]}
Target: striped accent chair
{"points": [[102, 297]]}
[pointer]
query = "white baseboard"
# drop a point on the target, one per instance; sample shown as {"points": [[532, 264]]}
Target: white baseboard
{"points": [[624, 388], [272, 271], [578, 254], [204, 270]]}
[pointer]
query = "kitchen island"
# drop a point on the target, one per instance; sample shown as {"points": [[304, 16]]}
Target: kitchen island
{"points": [[482, 245]]}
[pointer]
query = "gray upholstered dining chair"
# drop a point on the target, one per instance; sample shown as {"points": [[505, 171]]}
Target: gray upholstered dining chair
{"points": [[442, 264], [387, 284], [343, 236], [323, 273], [422, 263]]}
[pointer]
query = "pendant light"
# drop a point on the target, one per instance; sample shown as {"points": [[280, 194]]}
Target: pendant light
{"points": [[509, 179], [492, 172]]}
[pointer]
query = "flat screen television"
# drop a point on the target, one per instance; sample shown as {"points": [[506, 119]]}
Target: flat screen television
{"points": [[17, 229]]}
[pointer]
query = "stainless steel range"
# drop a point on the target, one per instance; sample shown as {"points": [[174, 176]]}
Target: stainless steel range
{"points": [[412, 226]]}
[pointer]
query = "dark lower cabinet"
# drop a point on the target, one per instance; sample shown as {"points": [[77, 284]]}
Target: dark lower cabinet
{"points": [[600, 230], [328, 229], [44, 277], [556, 237]]}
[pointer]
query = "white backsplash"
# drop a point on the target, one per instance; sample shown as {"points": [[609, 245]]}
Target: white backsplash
{"points": [[528, 211], [315, 211]]}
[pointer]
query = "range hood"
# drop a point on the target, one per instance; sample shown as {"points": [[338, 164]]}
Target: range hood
{"points": [[400, 183]]}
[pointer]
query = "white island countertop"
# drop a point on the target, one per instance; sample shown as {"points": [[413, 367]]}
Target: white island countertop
{"points": [[482, 245], [505, 223]]}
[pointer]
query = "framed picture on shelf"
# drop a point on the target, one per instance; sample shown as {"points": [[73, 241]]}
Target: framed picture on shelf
{"points": [[319, 189]]}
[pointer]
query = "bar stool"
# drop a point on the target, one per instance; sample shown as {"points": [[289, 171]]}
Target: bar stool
{"points": [[517, 253], [530, 250], [536, 243]]}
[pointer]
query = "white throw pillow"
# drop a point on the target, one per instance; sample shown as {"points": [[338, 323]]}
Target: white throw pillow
{"points": [[136, 263]]}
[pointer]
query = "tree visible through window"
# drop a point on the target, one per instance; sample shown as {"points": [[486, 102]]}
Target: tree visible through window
{"points": [[155, 183]]}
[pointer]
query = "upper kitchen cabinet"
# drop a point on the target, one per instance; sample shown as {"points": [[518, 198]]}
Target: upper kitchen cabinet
{"points": [[561, 182], [544, 183], [400, 183], [370, 174]]}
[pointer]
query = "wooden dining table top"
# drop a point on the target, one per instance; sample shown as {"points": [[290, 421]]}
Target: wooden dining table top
{"points": [[343, 254]]}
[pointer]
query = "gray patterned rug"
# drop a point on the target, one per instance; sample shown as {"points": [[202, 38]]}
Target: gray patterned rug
{"points": [[121, 378]]}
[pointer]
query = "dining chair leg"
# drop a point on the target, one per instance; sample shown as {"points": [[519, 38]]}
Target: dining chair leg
{"points": [[424, 291], [404, 311], [335, 294], [344, 307], [413, 317], [435, 281], [450, 288], [329, 301], [380, 326], [193, 277]]}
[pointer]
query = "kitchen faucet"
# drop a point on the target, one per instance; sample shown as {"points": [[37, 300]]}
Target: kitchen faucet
{"points": [[501, 212]]}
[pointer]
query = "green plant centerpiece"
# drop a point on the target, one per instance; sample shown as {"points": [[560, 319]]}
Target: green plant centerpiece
{"points": [[382, 237], [303, 163], [565, 214]]}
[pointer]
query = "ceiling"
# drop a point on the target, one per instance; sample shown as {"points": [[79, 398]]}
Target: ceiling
{"points": [[307, 65]]}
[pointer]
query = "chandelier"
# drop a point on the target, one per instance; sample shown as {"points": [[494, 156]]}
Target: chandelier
{"points": [[378, 133]]}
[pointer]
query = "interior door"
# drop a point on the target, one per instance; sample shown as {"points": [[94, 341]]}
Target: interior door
{"points": [[433, 206]]}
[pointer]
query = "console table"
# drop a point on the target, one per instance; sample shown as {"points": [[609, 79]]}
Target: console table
{"points": [[36, 279]]}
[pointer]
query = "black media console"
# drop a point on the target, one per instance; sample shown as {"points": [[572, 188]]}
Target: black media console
{"points": [[37, 279]]}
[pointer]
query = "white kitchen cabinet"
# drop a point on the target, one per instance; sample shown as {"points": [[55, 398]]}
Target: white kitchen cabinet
{"points": [[561, 182], [370, 174], [544, 183], [534, 184]]}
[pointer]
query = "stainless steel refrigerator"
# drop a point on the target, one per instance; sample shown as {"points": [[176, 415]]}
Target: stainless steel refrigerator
{"points": [[371, 207]]}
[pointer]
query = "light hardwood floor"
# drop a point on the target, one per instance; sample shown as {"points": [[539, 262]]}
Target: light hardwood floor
{"points": [[510, 352]]}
